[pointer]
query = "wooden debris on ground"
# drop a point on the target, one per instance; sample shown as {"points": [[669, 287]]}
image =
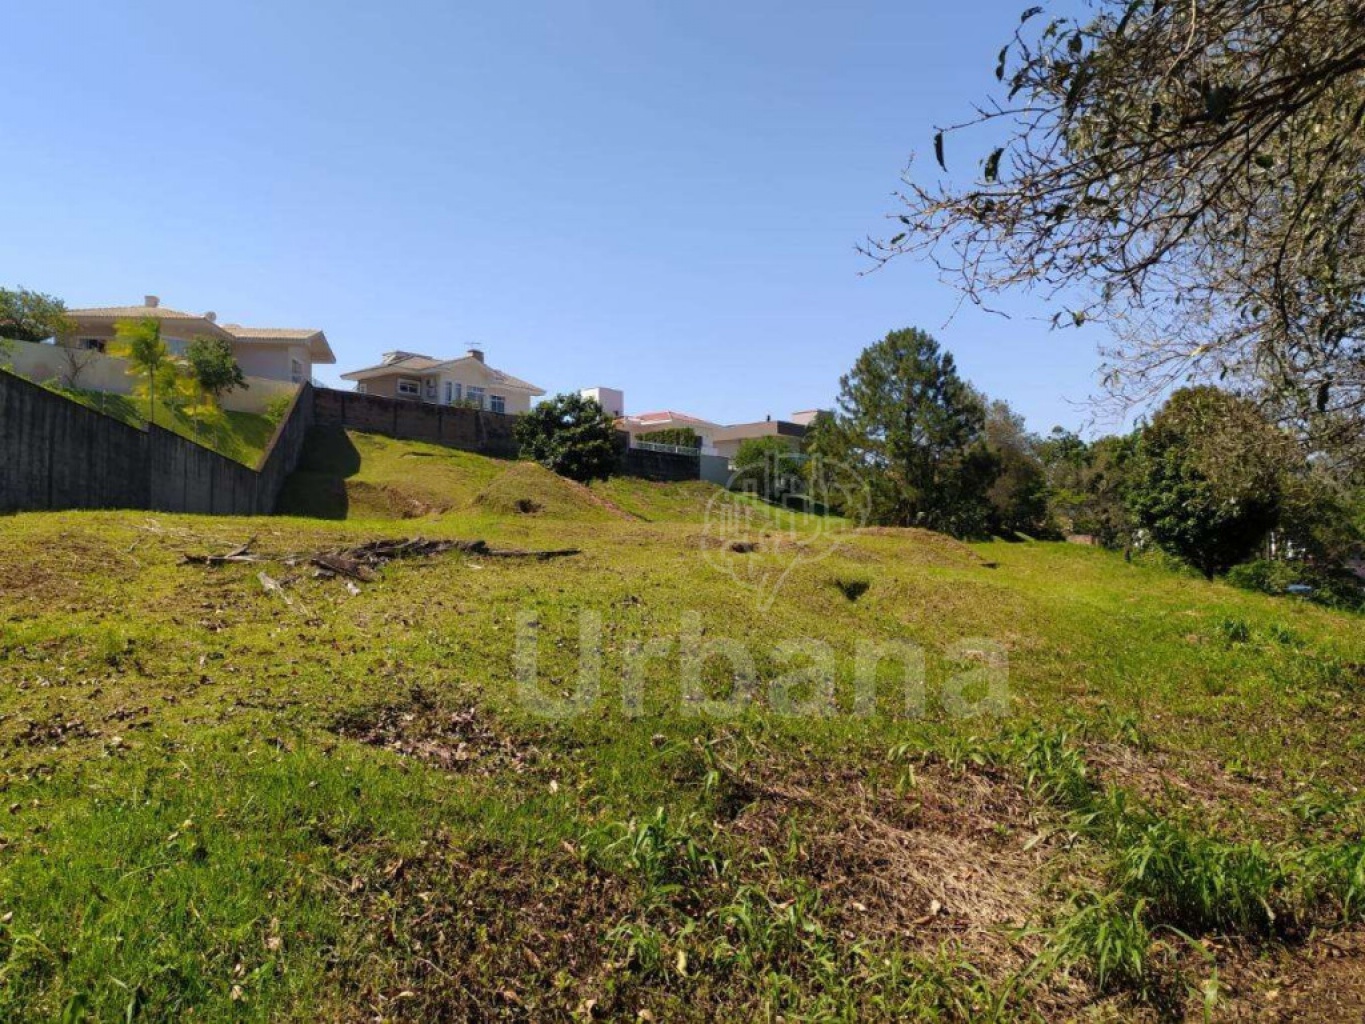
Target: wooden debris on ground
{"points": [[242, 553], [363, 562]]}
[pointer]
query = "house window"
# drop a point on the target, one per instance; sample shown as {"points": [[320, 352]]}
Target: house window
{"points": [[296, 371], [450, 393], [431, 390], [177, 346], [94, 344], [458, 393], [362, 388], [408, 388], [497, 403], [475, 396]]}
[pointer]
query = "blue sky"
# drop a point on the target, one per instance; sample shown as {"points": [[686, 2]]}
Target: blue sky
{"points": [[664, 198]]}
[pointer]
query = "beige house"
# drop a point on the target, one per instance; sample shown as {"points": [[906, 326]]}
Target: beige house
{"points": [[728, 440], [468, 380], [274, 353]]}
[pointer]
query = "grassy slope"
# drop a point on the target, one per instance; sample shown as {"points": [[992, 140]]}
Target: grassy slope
{"points": [[336, 807], [241, 436]]}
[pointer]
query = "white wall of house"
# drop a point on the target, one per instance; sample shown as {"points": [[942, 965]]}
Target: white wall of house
{"points": [[98, 372], [465, 383], [706, 431], [291, 363], [443, 388], [102, 336], [273, 361]]}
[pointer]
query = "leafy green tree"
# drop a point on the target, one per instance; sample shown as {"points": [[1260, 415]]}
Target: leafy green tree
{"points": [[213, 368], [1019, 494], [141, 344], [30, 316], [1208, 478], [767, 466], [914, 430], [570, 435], [1188, 170], [1319, 517], [1088, 485]]}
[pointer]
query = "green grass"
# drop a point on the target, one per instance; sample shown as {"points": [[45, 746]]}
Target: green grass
{"points": [[241, 436], [223, 805]]}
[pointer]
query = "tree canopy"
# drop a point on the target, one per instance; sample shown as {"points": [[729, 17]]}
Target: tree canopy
{"points": [[914, 430], [31, 316], [1019, 494], [1191, 171], [768, 466], [1209, 478], [213, 367], [140, 342], [570, 435]]}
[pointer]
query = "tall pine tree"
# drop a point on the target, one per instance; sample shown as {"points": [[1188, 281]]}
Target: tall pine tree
{"points": [[913, 429]]}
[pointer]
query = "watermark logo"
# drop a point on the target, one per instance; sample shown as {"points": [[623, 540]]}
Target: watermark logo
{"points": [[778, 515], [719, 677]]}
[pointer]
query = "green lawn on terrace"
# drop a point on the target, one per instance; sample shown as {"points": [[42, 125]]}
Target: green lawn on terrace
{"points": [[331, 802], [240, 436]]}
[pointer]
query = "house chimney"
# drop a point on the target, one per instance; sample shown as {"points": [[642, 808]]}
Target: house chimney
{"points": [[211, 317], [476, 353], [151, 301]]}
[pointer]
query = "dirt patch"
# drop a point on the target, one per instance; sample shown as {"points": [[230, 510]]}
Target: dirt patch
{"points": [[925, 547], [1320, 983], [528, 484], [950, 857], [54, 732], [851, 588], [383, 501], [488, 933], [1183, 781], [462, 740]]}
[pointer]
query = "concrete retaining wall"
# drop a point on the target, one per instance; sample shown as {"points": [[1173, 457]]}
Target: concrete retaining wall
{"points": [[668, 466], [715, 469], [58, 454]]}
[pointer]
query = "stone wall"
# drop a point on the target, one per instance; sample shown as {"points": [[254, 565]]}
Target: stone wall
{"points": [[475, 430], [669, 466]]}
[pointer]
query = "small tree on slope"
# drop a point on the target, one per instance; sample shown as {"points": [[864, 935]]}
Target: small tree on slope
{"points": [[569, 435]]}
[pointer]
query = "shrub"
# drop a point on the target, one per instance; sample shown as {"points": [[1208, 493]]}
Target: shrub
{"points": [[569, 435], [1335, 588], [768, 467]]}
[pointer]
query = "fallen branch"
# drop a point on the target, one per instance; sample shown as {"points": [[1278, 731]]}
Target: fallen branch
{"points": [[343, 566], [364, 561]]}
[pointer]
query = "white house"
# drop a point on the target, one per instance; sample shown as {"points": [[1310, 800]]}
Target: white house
{"points": [[274, 353], [468, 380], [652, 422]]}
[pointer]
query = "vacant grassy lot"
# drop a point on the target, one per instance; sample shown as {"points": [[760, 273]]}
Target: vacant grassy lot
{"points": [[247, 793]]}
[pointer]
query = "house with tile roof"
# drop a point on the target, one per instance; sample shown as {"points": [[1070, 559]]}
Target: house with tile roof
{"points": [[467, 380], [645, 423], [274, 353]]}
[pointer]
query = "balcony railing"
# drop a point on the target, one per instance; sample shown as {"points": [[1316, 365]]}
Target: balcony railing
{"points": [[670, 449]]}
